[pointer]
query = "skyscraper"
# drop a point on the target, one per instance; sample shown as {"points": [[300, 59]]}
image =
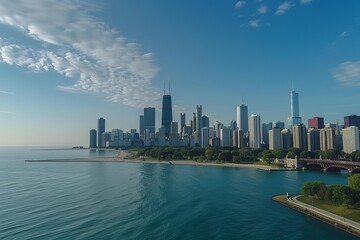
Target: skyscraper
{"points": [[275, 141], [92, 138], [316, 122], [166, 118], [313, 139], [254, 131], [182, 120], [299, 136], [141, 125], [351, 139], [242, 117], [198, 133], [101, 130], [149, 120], [205, 121], [352, 120], [327, 139], [295, 118]]}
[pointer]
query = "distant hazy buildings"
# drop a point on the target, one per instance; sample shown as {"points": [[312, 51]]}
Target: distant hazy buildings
{"points": [[254, 131], [166, 118], [93, 137], [316, 122], [101, 130], [351, 139], [295, 118]]}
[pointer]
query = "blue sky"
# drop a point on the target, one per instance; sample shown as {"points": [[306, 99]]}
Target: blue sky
{"points": [[64, 64]]}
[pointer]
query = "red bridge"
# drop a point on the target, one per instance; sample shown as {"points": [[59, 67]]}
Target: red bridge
{"points": [[326, 164]]}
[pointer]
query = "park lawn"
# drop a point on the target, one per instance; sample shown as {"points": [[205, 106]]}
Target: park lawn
{"points": [[341, 210]]}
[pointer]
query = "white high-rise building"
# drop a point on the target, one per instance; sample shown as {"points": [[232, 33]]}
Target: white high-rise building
{"points": [[254, 131], [327, 138], [275, 141], [242, 117], [205, 137], [350, 139]]}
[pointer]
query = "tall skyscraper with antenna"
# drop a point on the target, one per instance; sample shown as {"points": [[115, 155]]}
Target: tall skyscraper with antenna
{"points": [[166, 118], [295, 118]]}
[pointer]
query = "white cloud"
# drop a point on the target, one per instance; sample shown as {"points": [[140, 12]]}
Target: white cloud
{"points": [[262, 9], [80, 47], [283, 8], [240, 4], [348, 73], [254, 23], [343, 34], [305, 1]]}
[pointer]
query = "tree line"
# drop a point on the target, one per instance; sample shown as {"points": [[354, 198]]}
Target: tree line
{"points": [[242, 155], [339, 194]]}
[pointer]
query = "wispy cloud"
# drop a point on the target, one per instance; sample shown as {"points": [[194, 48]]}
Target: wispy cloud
{"points": [[239, 4], [6, 112], [348, 73], [5, 92], [80, 47], [262, 9], [343, 34], [254, 23], [305, 1], [283, 8]]}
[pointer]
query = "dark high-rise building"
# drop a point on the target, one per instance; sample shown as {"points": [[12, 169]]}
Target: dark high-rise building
{"points": [[193, 123], [182, 120], [101, 130], [352, 120], [316, 122], [149, 120], [166, 118], [141, 125], [92, 138], [205, 121]]}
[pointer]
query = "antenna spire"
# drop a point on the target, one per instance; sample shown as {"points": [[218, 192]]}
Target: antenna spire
{"points": [[169, 87]]}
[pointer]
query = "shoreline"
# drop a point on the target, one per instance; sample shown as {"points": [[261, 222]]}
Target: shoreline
{"points": [[121, 158], [337, 221]]}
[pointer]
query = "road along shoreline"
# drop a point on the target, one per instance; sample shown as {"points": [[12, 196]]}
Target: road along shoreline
{"points": [[319, 214]]}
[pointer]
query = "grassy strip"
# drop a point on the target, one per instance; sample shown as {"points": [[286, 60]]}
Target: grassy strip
{"points": [[341, 210]]}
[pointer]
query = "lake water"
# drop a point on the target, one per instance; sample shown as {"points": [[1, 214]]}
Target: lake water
{"points": [[148, 201]]}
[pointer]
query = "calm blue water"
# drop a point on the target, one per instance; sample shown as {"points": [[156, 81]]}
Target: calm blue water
{"points": [[148, 201]]}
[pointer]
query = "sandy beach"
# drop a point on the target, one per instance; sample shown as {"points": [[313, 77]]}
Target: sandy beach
{"points": [[126, 157]]}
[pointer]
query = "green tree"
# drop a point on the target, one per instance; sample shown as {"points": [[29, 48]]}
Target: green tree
{"points": [[307, 154], [268, 157], [225, 156], [295, 151], [311, 188], [280, 153], [209, 153], [331, 154], [354, 182], [339, 194]]}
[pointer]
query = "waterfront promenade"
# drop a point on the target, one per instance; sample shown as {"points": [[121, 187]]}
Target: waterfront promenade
{"points": [[320, 214]]}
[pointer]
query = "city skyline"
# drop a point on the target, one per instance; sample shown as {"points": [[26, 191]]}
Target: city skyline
{"points": [[111, 60]]}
